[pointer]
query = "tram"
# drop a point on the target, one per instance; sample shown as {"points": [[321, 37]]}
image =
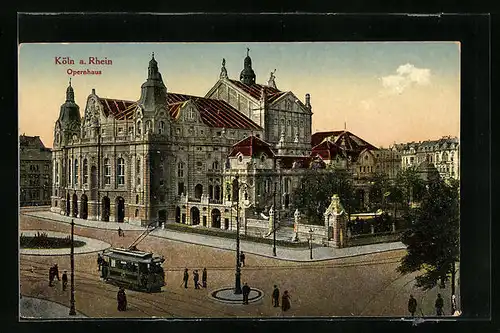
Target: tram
{"points": [[134, 269]]}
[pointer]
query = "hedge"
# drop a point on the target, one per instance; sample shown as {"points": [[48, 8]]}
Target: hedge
{"points": [[228, 234]]}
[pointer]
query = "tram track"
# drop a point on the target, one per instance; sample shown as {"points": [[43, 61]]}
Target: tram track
{"points": [[83, 285]]}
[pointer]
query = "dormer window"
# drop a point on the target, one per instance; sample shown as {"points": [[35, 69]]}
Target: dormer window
{"points": [[161, 127], [191, 114], [240, 158], [263, 158]]}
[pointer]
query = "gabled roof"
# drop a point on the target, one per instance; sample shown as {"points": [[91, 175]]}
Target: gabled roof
{"points": [[251, 146], [295, 162], [351, 141], [255, 90], [214, 113], [328, 150]]}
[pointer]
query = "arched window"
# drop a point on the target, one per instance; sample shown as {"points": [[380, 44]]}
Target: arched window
{"points": [[107, 172], [69, 171], [138, 166], [137, 199], [85, 172], [136, 213], [121, 171], [56, 176], [215, 165], [180, 169], [148, 126], [139, 124], [161, 127]]}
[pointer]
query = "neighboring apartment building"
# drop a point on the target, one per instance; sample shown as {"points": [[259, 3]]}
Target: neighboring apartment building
{"points": [[443, 154], [35, 171]]}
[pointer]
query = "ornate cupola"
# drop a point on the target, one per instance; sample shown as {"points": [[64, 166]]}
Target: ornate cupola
{"points": [[153, 91], [69, 121], [247, 75]]}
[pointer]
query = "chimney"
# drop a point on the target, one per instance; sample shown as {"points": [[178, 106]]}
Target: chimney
{"points": [[93, 91], [308, 100]]}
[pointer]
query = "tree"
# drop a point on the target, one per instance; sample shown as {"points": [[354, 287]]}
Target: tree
{"points": [[315, 192], [379, 187], [433, 237]]}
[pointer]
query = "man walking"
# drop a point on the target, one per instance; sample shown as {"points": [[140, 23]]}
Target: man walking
{"points": [[412, 305], [276, 297], [246, 291], [196, 279], [242, 259], [56, 272], [439, 305], [204, 278], [64, 280], [51, 275], [99, 262], [186, 278]]}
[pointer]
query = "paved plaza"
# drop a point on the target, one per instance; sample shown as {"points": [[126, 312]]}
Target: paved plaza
{"points": [[355, 283]]}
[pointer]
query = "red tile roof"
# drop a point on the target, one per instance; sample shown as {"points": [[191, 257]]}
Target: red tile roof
{"points": [[120, 109], [328, 150], [214, 113], [255, 90], [251, 146]]}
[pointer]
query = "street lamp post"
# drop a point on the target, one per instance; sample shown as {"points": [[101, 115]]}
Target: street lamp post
{"points": [[237, 285], [72, 310], [310, 243], [274, 221]]}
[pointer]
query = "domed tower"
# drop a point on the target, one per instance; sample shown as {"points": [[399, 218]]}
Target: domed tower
{"points": [[69, 121], [247, 75], [152, 112]]}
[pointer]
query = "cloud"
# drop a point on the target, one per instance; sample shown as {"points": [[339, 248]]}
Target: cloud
{"points": [[407, 75]]}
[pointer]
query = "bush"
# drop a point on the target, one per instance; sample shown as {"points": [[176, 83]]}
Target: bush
{"points": [[43, 241], [230, 234]]}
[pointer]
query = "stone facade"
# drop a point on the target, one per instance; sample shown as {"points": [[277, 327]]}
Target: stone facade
{"points": [[35, 172], [443, 153]]}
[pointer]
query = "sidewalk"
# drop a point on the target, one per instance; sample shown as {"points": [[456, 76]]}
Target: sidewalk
{"points": [[320, 253], [37, 308]]}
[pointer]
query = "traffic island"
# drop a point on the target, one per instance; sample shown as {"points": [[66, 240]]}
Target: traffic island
{"points": [[227, 296]]}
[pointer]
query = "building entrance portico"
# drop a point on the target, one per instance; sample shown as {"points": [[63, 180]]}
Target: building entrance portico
{"points": [[74, 203], [215, 218], [195, 216], [106, 206], [120, 209], [84, 207]]}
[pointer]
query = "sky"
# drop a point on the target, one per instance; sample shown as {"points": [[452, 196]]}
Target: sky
{"points": [[383, 92]]}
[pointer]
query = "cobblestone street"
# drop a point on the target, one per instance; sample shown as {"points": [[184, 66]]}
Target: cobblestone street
{"points": [[365, 285]]}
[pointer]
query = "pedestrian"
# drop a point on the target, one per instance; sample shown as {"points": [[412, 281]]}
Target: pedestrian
{"points": [[285, 302], [453, 304], [51, 275], [56, 272], [439, 305], [64, 280], [196, 279], [412, 305], [120, 232], [104, 271], [204, 278], [246, 291], [242, 259], [186, 278], [276, 296], [99, 262], [122, 299]]}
